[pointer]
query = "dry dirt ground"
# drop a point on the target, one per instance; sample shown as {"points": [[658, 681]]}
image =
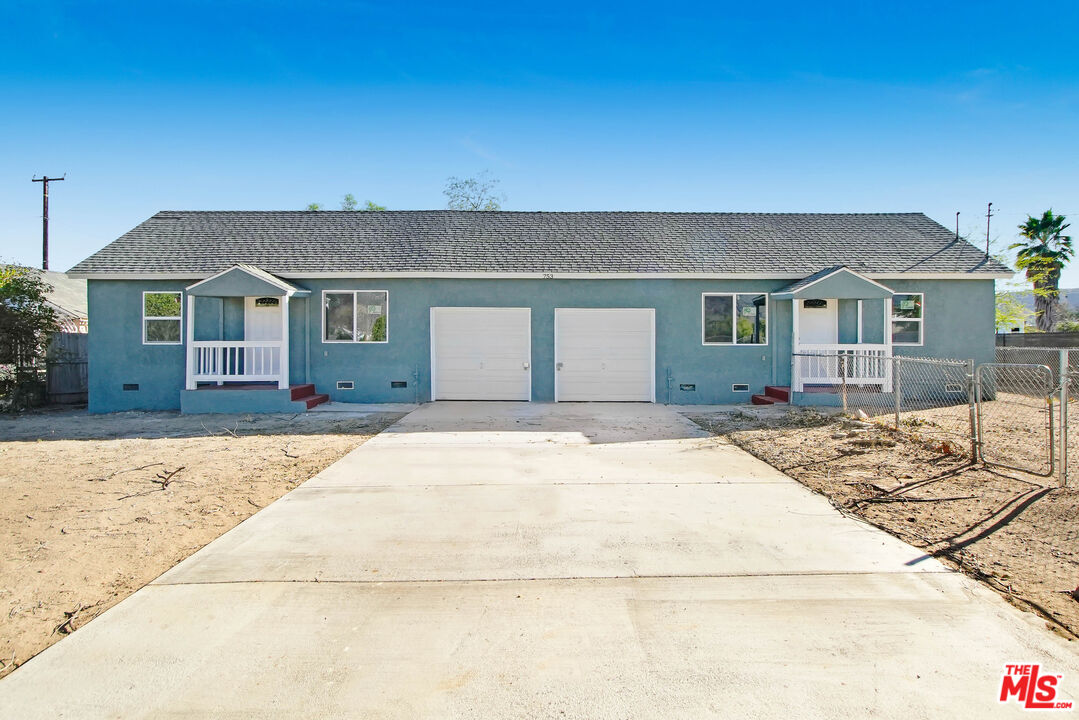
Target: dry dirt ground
{"points": [[1017, 532], [94, 507]]}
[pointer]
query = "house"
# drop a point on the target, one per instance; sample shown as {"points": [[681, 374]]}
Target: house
{"points": [[68, 299], [271, 311]]}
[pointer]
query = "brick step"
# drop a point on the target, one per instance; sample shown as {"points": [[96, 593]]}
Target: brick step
{"points": [[762, 400], [778, 392], [314, 399], [298, 392]]}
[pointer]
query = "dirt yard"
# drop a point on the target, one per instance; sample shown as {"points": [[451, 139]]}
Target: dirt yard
{"points": [[94, 507], [1017, 532]]}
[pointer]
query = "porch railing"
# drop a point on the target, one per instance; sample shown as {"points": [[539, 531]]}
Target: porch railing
{"points": [[834, 364], [236, 361]]}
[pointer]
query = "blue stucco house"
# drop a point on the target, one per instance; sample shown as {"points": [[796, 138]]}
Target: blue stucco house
{"points": [[272, 311]]}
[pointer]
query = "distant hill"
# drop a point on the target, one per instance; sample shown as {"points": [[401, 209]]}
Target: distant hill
{"points": [[1068, 296]]}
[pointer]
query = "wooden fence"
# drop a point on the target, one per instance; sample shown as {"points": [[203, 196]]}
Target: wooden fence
{"points": [[1041, 339], [65, 363]]}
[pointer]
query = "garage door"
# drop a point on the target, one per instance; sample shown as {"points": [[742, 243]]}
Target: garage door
{"points": [[605, 354], [481, 353]]}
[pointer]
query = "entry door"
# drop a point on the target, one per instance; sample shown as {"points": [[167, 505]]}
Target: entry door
{"points": [[818, 325], [262, 321], [481, 353], [605, 354]]}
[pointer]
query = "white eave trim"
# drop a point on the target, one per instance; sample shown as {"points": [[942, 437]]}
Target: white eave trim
{"points": [[550, 276]]}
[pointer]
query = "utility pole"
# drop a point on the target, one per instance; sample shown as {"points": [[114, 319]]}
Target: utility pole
{"points": [[988, 218], [45, 216]]}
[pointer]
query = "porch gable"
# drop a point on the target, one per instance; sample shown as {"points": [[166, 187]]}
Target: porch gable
{"points": [[838, 282], [244, 281]]}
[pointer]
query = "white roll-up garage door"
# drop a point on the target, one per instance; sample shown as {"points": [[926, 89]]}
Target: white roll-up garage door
{"points": [[605, 354], [481, 353]]}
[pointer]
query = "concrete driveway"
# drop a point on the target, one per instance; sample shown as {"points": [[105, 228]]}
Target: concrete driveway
{"points": [[526, 560]]}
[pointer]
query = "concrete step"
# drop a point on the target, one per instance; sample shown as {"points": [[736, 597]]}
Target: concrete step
{"points": [[779, 392], [298, 392], [762, 400]]}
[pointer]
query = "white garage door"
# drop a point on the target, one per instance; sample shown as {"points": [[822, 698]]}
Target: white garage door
{"points": [[605, 354], [481, 353]]}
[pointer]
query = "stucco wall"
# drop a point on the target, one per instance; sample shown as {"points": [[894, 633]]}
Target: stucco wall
{"points": [[116, 355], [959, 323]]}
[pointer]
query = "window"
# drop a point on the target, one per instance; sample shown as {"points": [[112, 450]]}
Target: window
{"points": [[734, 318], [907, 318], [162, 316], [355, 316]]}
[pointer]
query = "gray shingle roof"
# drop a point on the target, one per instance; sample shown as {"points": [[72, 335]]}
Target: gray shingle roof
{"points": [[291, 242]]}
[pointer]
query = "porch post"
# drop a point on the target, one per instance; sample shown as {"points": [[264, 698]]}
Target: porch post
{"points": [[282, 380], [796, 364], [890, 379], [190, 380]]}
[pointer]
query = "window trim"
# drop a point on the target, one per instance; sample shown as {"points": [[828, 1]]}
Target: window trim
{"points": [[354, 341], [892, 320], [179, 317], [734, 319]]}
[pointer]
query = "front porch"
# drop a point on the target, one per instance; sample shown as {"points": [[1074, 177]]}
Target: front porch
{"points": [[250, 398], [238, 345], [840, 334]]}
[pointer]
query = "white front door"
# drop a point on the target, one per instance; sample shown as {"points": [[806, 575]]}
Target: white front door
{"points": [[605, 354], [481, 353], [818, 325], [262, 321]]}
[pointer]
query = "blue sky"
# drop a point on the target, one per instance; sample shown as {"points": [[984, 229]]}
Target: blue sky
{"points": [[935, 107]]}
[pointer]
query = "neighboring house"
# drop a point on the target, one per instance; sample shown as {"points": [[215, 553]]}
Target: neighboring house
{"points": [[68, 298], [245, 311]]}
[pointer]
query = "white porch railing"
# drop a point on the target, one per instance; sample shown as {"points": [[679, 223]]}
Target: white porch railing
{"points": [[834, 364], [236, 360]]}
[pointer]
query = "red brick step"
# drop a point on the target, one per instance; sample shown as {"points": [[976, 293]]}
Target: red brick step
{"points": [[777, 392], [313, 400], [298, 392]]}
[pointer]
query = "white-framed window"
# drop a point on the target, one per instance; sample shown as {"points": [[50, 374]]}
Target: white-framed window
{"points": [[908, 319], [162, 317], [355, 316], [734, 318]]}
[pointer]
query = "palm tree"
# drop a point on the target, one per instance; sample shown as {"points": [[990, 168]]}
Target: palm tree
{"points": [[1043, 255]]}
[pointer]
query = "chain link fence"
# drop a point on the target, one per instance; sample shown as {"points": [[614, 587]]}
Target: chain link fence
{"points": [[1062, 364], [1015, 418], [926, 400], [1013, 413]]}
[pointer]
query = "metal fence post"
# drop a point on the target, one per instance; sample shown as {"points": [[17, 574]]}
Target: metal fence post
{"points": [[1064, 380], [842, 366], [972, 399], [897, 389]]}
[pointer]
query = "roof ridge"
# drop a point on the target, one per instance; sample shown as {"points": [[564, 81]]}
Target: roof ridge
{"points": [[550, 212]]}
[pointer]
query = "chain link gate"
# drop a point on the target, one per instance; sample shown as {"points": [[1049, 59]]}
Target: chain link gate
{"points": [[1015, 422]]}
